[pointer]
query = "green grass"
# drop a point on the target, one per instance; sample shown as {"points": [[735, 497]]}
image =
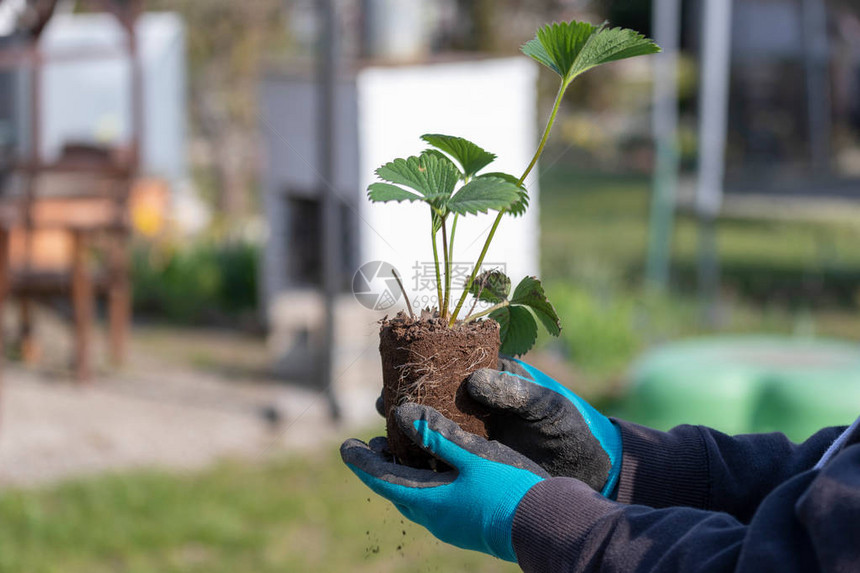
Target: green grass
{"points": [[310, 514], [595, 225], [301, 514], [777, 276]]}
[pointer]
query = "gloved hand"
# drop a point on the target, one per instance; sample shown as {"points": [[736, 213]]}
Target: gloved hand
{"points": [[472, 505], [549, 424]]}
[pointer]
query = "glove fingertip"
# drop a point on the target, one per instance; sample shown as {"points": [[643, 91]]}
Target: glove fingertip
{"points": [[410, 414], [499, 390], [354, 452], [483, 384], [407, 414], [379, 444]]}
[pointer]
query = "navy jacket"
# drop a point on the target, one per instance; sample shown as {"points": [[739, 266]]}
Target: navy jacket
{"points": [[694, 499]]}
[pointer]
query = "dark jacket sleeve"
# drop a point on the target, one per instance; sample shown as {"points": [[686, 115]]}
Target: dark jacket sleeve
{"points": [[699, 467], [806, 524]]}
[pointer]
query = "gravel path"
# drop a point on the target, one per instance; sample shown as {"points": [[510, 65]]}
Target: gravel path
{"points": [[170, 409]]}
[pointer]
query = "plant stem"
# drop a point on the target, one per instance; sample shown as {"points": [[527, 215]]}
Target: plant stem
{"points": [[436, 266], [555, 107], [447, 293], [403, 290], [451, 242], [472, 317], [475, 270], [451, 260]]}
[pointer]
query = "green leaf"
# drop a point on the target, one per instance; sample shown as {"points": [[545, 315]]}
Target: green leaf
{"points": [[470, 156], [557, 45], [530, 293], [440, 155], [610, 45], [518, 329], [501, 175], [433, 176], [519, 206], [482, 194], [382, 192], [491, 286], [571, 48]]}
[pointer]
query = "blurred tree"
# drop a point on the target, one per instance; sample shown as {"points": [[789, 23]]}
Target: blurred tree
{"points": [[227, 41]]}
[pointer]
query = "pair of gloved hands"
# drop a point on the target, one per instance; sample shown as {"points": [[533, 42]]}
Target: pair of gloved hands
{"points": [[538, 428]]}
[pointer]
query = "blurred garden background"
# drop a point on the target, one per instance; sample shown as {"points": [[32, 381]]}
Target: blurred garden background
{"points": [[213, 447]]}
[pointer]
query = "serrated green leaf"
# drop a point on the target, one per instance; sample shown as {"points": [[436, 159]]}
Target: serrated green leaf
{"points": [[571, 48], [440, 155], [517, 329], [530, 293], [557, 45], [491, 286], [610, 45], [432, 176], [470, 156], [521, 205], [501, 175], [483, 194], [382, 192], [535, 50]]}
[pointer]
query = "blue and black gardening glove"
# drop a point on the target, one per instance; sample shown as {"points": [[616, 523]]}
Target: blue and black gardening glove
{"points": [[472, 505], [541, 419]]}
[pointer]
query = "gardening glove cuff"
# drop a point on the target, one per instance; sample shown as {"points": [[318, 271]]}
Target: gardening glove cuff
{"points": [[471, 505], [543, 420]]}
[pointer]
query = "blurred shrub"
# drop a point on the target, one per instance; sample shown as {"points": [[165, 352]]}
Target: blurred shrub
{"points": [[202, 281], [605, 326], [598, 330]]}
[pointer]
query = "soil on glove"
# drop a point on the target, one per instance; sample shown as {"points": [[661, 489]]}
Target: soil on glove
{"points": [[426, 362]]}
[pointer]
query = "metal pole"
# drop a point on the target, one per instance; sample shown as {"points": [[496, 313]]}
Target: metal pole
{"points": [[327, 70], [713, 125], [815, 50], [667, 30]]}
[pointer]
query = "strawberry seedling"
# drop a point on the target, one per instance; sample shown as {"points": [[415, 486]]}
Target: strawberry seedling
{"points": [[427, 359]]}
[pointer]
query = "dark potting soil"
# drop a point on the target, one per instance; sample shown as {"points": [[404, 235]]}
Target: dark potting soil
{"points": [[426, 362]]}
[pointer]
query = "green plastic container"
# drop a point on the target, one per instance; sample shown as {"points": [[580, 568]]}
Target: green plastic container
{"points": [[747, 384]]}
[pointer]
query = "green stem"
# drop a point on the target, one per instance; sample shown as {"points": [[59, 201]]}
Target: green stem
{"points": [[447, 293], [495, 307], [453, 231], [555, 107], [475, 270], [449, 268], [436, 266]]}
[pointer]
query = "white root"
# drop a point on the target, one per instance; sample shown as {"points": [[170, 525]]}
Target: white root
{"points": [[427, 370]]}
